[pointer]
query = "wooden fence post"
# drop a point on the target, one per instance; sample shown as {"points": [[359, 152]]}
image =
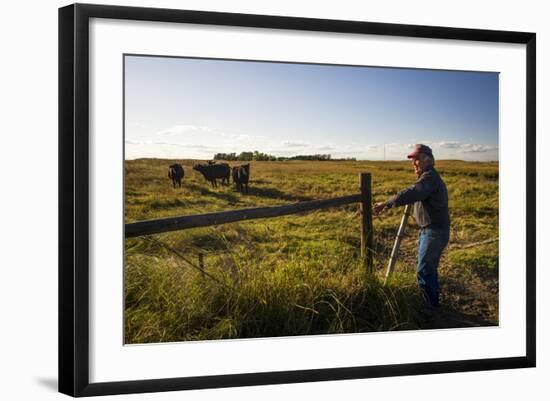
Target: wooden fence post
{"points": [[366, 220]]}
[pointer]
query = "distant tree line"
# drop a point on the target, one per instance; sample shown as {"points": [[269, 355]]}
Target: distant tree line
{"points": [[259, 156], [245, 156], [310, 157]]}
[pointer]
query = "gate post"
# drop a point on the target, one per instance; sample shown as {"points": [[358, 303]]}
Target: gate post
{"points": [[366, 220]]}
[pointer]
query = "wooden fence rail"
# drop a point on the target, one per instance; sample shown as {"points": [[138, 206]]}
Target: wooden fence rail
{"points": [[163, 225], [157, 226]]}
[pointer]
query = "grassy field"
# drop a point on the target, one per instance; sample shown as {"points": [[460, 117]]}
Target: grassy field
{"points": [[300, 274]]}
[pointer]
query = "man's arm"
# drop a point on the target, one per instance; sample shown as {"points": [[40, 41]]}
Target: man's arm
{"points": [[421, 189]]}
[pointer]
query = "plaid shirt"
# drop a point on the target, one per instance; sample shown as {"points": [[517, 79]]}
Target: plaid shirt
{"points": [[430, 199]]}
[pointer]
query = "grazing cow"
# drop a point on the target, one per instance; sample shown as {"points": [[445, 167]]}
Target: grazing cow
{"points": [[241, 175], [176, 173], [213, 171]]}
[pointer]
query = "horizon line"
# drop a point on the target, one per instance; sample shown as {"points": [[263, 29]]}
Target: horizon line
{"points": [[331, 160]]}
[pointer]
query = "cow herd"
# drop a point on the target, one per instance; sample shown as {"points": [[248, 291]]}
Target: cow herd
{"points": [[214, 171]]}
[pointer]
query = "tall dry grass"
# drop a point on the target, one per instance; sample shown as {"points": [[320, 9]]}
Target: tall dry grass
{"points": [[299, 274]]}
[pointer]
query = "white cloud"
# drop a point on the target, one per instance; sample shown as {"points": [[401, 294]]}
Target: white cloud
{"points": [[449, 145], [161, 143], [469, 148], [400, 145], [294, 144], [185, 130], [193, 141], [326, 147], [244, 137], [447, 150]]}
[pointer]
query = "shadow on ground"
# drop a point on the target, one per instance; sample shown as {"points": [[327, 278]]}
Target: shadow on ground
{"points": [[462, 306], [447, 317], [274, 193], [48, 382], [220, 193]]}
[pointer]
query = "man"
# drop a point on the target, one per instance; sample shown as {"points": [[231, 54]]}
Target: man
{"points": [[431, 211]]}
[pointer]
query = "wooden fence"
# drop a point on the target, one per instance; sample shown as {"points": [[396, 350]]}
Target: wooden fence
{"points": [[364, 198]]}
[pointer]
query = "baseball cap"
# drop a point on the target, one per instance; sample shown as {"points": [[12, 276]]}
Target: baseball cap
{"points": [[420, 148]]}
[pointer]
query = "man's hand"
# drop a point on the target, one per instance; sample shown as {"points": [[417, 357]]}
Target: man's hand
{"points": [[378, 208]]}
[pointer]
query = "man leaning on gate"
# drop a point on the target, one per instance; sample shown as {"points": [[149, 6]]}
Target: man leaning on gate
{"points": [[431, 212]]}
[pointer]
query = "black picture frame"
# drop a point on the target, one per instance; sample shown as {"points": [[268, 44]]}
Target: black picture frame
{"points": [[74, 194]]}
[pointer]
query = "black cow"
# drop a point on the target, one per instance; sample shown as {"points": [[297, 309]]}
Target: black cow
{"points": [[176, 173], [213, 171], [241, 175]]}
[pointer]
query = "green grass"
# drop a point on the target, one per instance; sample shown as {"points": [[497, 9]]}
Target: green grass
{"points": [[299, 274]]}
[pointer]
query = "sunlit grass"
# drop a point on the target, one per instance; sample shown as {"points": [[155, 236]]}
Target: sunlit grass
{"points": [[298, 274]]}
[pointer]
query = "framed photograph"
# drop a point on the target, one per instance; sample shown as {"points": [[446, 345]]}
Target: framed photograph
{"points": [[252, 199]]}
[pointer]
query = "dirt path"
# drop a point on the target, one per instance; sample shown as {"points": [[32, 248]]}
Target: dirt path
{"points": [[468, 299]]}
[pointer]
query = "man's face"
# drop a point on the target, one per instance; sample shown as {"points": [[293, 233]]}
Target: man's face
{"points": [[420, 164]]}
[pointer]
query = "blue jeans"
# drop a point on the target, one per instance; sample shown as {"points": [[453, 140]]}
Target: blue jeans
{"points": [[431, 243]]}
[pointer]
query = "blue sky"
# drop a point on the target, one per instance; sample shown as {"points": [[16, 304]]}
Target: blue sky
{"points": [[193, 108]]}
